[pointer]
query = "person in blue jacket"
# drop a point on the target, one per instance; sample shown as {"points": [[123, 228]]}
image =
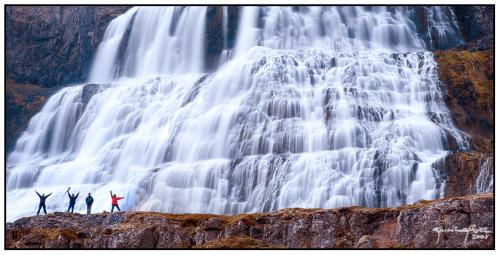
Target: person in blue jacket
{"points": [[42, 197], [72, 200]]}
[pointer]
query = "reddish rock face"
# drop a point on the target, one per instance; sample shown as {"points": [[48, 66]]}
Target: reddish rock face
{"points": [[462, 170], [468, 78], [411, 226]]}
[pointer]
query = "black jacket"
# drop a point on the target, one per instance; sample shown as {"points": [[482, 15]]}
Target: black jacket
{"points": [[72, 198], [89, 200], [42, 198]]}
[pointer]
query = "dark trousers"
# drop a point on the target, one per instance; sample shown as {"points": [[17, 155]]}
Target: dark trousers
{"points": [[71, 207], [89, 208], [40, 207], [113, 207]]}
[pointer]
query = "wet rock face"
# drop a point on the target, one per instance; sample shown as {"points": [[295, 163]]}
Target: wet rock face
{"points": [[462, 169], [47, 47], [412, 226], [23, 101], [215, 39], [53, 45], [476, 23], [467, 173]]}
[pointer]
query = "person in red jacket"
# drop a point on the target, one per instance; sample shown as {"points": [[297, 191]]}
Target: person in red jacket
{"points": [[114, 201]]}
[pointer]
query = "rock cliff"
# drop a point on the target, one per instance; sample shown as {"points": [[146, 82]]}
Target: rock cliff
{"points": [[468, 79], [47, 47], [53, 46], [442, 223], [476, 23]]}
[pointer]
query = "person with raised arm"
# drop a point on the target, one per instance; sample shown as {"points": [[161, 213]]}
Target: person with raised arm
{"points": [[42, 197], [114, 201], [72, 200]]}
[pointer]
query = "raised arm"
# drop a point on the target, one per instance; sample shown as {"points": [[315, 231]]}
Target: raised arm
{"points": [[48, 195], [69, 195], [118, 198], [38, 193], [77, 195], [111, 193]]}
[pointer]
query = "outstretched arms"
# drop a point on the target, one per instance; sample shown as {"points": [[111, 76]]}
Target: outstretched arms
{"points": [[117, 198]]}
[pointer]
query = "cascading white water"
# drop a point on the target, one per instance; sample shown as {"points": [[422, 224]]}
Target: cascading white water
{"points": [[162, 41], [316, 107], [484, 181]]}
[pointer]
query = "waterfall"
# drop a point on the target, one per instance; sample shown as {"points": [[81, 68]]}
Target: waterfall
{"points": [[313, 107], [161, 41], [484, 181], [248, 31]]}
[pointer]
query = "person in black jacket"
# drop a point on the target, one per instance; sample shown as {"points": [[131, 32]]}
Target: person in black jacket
{"points": [[72, 200], [89, 200], [42, 197]]}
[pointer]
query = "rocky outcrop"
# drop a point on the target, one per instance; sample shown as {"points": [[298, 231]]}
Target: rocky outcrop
{"points": [[53, 45], [442, 223], [462, 170], [468, 78], [23, 101]]}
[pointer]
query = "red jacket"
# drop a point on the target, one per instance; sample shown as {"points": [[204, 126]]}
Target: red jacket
{"points": [[114, 200]]}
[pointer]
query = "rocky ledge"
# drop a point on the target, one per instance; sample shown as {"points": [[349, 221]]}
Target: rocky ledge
{"points": [[460, 222]]}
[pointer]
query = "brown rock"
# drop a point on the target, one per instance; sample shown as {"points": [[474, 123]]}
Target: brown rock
{"points": [[173, 236], [462, 170], [142, 238], [468, 81], [324, 230], [365, 241], [212, 223], [410, 226], [241, 228], [30, 241]]}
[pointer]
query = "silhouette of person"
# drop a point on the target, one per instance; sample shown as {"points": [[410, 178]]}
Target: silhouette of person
{"points": [[72, 200], [42, 197]]}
